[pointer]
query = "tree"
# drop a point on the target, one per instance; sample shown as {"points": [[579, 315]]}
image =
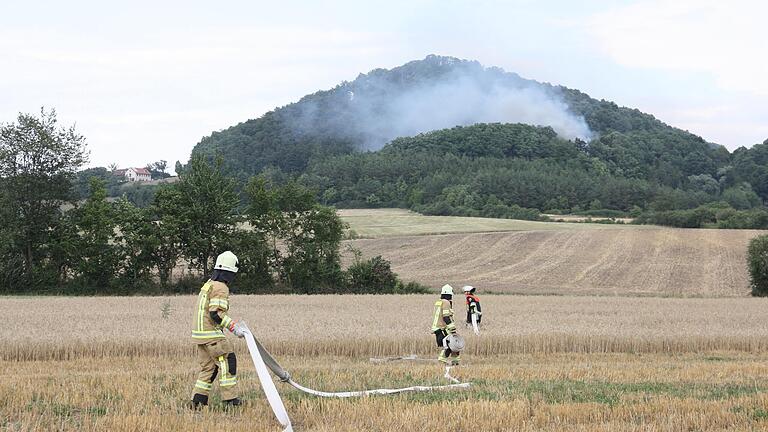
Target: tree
{"points": [[757, 261], [38, 161], [82, 182], [157, 169], [136, 241], [166, 245], [741, 196], [266, 219], [312, 242], [98, 259], [301, 238], [704, 183], [206, 210]]}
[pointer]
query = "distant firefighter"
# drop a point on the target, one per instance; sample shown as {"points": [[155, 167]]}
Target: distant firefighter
{"points": [[215, 353], [473, 305], [444, 328]]}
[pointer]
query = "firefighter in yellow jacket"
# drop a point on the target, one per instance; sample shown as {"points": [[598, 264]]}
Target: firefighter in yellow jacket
{"points": [[214, 352], [444, 324]]}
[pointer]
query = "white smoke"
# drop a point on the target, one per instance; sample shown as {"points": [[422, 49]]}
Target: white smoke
{"points": [[378, 108]]}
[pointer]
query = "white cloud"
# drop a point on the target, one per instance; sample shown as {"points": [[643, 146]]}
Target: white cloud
{"points": [[700, 65], [725, 39]]}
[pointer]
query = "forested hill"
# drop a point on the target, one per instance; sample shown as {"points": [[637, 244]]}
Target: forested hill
{"points": [[421, 96], [449, 136]]}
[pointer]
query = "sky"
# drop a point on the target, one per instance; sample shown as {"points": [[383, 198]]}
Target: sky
{"points": [[146, 81]]}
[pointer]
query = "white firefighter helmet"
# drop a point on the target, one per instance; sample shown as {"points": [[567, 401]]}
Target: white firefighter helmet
{"points": [[226, 261], [447, 289], [455, 342], [468, 288]]}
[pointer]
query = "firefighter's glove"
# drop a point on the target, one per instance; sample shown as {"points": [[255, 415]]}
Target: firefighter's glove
{"points": [[238, 328]]}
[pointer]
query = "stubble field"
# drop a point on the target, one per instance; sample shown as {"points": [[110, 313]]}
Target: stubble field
{"points": [[540, 364], [663, 360], [526, 257], [627, 262]]}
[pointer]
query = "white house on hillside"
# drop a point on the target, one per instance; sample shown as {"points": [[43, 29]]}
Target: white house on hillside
{"points": [[134, 174]]}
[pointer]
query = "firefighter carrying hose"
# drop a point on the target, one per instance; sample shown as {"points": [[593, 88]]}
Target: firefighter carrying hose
{"points": [[214, 352], [473, 305], [443, 325]]}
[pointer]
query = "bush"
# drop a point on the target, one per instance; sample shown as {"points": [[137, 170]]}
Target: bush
{"points": [[411, 288], [375, 276], [603, 213], [187, 284], [748, 219], [718, 215], [757, 261]]}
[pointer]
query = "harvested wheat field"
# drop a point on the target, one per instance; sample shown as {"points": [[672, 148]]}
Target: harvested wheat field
{"points": [[366, 325], [540, 364], [563, 392], [648, 262]]}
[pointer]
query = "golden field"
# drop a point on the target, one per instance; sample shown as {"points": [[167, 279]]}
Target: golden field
{"points": [[629, 262], [526, 392], [528, 257], [368, 325], [541, 364]]}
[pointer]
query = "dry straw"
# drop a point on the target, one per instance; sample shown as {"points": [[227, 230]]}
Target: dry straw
{"points": [[363, 326]]}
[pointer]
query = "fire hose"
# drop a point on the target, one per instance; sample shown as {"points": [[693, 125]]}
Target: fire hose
{"points": [[474, 324], [262, 360]]}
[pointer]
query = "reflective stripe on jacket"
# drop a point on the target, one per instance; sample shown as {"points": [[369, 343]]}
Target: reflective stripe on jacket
{"points": [[213, 297], [442, 310]]}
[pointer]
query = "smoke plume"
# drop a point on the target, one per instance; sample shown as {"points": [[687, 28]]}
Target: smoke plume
{"points": [[436, 93]]}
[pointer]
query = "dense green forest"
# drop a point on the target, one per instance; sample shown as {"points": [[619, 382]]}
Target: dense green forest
{"points": [[634, 164]]}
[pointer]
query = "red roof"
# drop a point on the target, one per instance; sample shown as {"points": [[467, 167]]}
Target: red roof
{"points": [[143, 171]]}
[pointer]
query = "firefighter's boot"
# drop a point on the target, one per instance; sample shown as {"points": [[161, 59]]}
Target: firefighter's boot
{"points": [[198, 401]]}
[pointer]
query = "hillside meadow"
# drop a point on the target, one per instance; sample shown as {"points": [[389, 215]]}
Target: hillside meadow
{"points": [[375, 223]]}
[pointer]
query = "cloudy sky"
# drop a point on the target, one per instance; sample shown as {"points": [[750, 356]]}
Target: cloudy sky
{"points": [[147, 80]]}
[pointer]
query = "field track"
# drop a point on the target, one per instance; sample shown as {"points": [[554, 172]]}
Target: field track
{"points": [[636, 262]]}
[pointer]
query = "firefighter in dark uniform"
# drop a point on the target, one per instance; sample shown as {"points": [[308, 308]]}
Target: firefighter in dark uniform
{"points": [[473, 305]]}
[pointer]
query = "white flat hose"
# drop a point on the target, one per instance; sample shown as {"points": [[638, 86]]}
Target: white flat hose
{"points": [[259, 354], [348, 394], [474, 324], [273, 397], [450, 378]]}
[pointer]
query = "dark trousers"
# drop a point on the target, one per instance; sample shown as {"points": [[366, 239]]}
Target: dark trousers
{"points": [[439, 336]]}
